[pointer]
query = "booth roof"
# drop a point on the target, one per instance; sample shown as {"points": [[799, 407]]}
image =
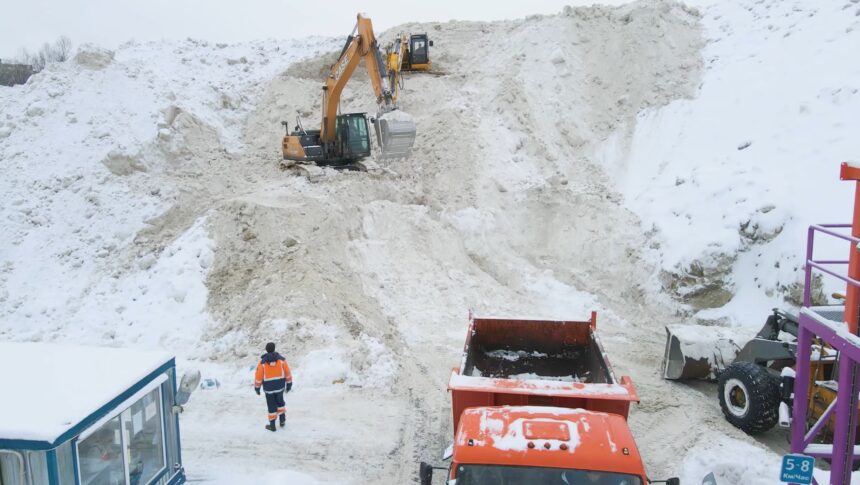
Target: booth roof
{"points": [[48, 389]]}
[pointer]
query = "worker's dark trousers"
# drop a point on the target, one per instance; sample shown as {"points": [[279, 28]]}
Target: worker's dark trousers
{"points": [[275, 403]]}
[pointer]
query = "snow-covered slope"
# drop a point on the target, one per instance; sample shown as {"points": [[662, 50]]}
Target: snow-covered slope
{"points": [[81, 145], [142, 206], [730, 179]]}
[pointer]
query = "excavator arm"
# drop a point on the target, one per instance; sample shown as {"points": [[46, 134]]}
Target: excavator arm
{"points": [[361, 44]]}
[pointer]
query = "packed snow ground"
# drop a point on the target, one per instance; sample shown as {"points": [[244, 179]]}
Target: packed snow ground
{"points": [[143, 207]]}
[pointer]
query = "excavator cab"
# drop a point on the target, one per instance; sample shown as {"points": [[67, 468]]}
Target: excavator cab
{"points": [[353, 137], [419, 52], [395, 133], [351, 143]]}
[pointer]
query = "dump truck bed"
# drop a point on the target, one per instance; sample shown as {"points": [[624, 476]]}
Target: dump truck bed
{"points": [[535, 349], [518, 362]]}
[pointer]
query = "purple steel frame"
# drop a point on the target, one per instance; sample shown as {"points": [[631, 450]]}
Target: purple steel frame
{"points": [[811, 324]]}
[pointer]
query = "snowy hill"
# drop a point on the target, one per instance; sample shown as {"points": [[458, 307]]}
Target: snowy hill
{"points": [[84, 144], [649, 162], [730, 179]]}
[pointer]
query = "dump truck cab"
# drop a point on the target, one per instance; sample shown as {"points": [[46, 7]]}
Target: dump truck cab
{"points": [[536, 401], [547, 445]]}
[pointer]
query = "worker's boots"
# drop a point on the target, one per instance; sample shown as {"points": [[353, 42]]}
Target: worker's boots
{"points": [[271, 426], [283, 420]]}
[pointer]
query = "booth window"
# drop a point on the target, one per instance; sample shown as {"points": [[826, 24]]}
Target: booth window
{"points": [[128, 449], [23, 467], [12, 466], [65, 464], [100, 456], [145, 444]]}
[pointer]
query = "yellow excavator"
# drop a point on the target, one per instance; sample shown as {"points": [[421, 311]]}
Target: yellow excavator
{"points": [[343, 140], [409, 53]]}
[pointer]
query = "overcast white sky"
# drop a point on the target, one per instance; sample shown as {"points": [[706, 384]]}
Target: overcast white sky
{"points": [[29, 23]]}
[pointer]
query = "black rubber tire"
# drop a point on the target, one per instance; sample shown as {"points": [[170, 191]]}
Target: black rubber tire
{"points": [[756, 408]]}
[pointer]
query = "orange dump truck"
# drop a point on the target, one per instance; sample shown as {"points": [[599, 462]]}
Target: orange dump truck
{"points": [[536, 401]]}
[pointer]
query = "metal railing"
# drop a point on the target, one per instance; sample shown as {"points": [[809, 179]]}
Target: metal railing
{"points": [[844, 408]]}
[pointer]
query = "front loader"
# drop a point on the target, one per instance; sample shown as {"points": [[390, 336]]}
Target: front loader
{"points": [[754, 380]]}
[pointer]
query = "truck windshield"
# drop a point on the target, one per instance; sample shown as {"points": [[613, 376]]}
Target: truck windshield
{"points": [[518, 475]]}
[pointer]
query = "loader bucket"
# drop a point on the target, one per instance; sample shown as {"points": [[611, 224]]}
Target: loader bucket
{"points": [[697, 351], [395, 132]]}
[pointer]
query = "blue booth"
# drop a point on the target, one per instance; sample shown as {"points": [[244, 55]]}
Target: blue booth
{"points": [[88, 415]]}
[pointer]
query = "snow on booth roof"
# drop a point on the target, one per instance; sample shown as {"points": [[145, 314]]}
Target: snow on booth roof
{"points": [[50, 388]]}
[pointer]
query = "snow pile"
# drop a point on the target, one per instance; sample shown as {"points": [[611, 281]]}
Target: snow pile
{"points": [[363, 280], [162, 304], [228, 476], [513, 355], [143, 206], [497, 429], [730, 179], [531, 376], [369, 365], [735, 461], [515, 438], [81, 144], [730, 460], [556, 386]]}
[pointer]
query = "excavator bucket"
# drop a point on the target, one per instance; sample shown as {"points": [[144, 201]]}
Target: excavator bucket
{"points": [[395, 132], [697, 351]]}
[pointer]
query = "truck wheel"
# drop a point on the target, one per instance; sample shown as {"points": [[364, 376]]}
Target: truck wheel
{"points": [[749, 397]]}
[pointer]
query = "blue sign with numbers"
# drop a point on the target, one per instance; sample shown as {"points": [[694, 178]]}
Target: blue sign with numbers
{"points": [[797, 469]]}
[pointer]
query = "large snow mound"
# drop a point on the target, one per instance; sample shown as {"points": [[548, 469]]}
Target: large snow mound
{"points": [[143, 207], [82, 145], [730, 179]]}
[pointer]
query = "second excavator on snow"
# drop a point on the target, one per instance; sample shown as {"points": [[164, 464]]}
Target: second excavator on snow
{"points": [[343, 140], [409, 52]]}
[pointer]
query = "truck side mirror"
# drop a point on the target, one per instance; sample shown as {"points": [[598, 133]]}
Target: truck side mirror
{"points": [[425, 473], [431, 43], [672, 481]]}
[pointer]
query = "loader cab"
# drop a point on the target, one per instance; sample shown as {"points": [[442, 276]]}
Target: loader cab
{"points": [[419, 50], [353, 137]]}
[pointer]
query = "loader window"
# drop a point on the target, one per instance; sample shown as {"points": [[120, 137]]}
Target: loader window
{"points": [[520, 475]]}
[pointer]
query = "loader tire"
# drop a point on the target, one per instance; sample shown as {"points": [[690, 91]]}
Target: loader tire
{"points": [[749, 397]]}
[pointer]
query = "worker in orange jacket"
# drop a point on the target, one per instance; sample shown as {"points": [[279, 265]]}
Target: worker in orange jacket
{"points": [[273, 375]]}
